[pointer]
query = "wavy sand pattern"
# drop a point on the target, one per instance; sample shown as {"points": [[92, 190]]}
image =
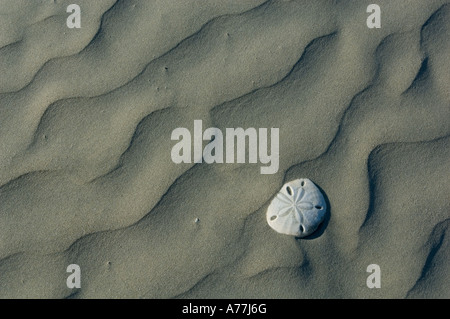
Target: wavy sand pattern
{"points": [[87, 178]]}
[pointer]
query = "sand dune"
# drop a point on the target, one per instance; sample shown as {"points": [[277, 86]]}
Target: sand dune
{"points": [[87, 177]]}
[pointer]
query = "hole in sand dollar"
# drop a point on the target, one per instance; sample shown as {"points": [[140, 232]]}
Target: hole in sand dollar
{"points": [[302, 229], [318, 207], [289, 190], [302, 183], [273, 217]]}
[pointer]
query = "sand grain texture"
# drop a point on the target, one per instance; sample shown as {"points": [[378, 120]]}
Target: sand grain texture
{"points": [[87, 178]]}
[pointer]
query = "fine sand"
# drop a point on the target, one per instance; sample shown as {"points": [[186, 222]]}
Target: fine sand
{"points": [[86, 173]]}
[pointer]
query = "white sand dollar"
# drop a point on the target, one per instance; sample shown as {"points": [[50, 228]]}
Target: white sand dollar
{"points": [[298, 209]]}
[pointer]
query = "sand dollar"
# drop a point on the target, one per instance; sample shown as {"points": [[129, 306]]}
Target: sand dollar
{"points": [[297, 209]]}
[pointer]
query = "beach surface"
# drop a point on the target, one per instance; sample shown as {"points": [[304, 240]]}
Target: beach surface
{"points": [[87, 175]]}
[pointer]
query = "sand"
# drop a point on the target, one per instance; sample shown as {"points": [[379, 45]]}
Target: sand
{"points": [[86, 173]]}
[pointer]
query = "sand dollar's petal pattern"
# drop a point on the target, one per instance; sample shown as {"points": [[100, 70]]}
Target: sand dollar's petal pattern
{"points": [[298, 209]]}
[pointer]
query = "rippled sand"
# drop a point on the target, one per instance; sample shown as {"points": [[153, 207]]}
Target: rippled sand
{"points": [[86, 173]]}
